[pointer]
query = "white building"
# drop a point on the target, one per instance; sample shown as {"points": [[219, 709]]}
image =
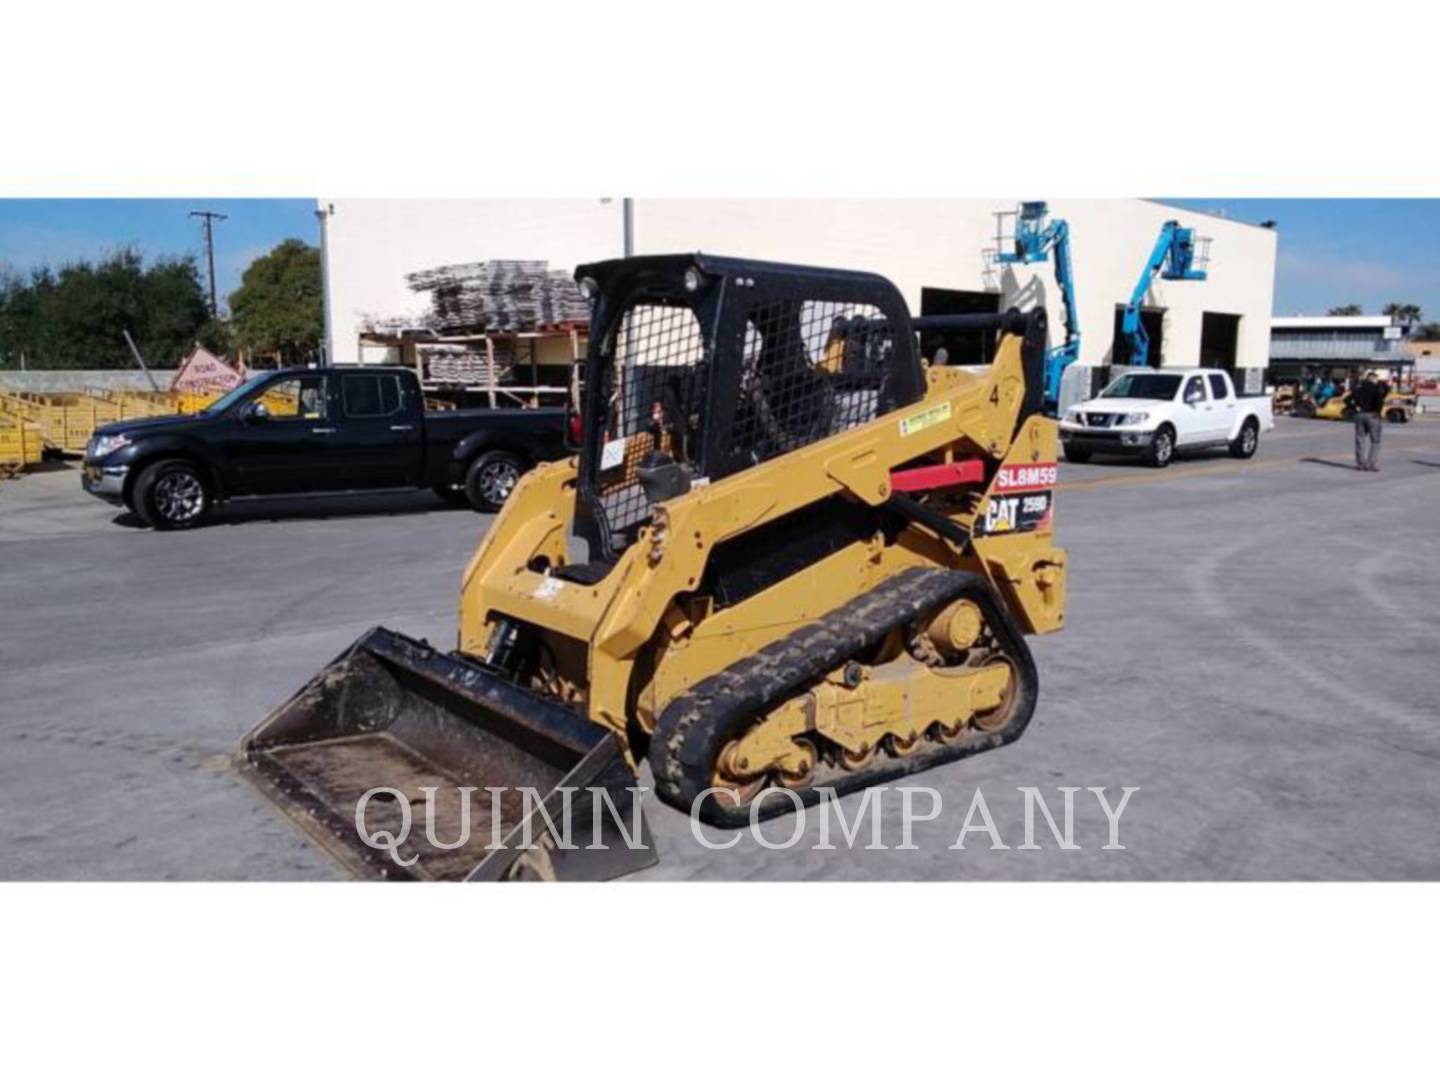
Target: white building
{"points": [[1307, 345], [939, 253]]}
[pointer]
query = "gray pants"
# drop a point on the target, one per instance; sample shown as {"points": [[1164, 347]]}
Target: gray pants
{"points": [[1368, 428]]}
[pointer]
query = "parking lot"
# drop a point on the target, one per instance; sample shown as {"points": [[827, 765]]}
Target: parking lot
{"points": [[1250, 644]]}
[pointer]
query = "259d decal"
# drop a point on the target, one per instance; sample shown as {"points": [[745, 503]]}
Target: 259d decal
{"points": [[1022, 500]]}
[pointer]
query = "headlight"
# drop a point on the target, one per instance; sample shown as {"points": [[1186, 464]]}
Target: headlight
{"points": [[693, 279], [105, 445], [589, 287], [1134, 418], [1073, 416]]}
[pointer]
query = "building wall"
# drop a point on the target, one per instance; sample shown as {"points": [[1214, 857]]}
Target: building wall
{"points": [[916, 243], [1426, 355], [371, 244]]}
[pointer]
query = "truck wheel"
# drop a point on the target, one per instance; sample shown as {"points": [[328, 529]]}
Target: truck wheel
{"points": [[1247, 442], [490, 479], [1077, 455], [1162, 447], [172, 495]]}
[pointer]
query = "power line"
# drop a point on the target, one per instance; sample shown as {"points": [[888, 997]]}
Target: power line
{"points": [[209, 216]]}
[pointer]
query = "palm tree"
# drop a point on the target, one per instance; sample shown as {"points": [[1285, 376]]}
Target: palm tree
{"points": [[1404, 314], [1346, 309]]}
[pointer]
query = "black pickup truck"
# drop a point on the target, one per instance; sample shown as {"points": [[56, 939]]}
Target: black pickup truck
{"points": [[328, 429]]}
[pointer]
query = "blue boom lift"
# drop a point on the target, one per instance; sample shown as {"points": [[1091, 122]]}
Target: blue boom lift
{"points": [[1035, 238], [1178, 255]]}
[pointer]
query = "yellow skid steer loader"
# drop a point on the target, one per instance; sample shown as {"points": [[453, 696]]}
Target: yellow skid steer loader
{"points": [[788, 556]]}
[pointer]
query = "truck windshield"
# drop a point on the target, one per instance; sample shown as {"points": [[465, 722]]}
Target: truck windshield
{"points": [[1147, 385], [234, 395]]}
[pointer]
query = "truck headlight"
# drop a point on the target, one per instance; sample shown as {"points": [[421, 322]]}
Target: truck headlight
{"points": [[1074, 417], [105, 445], [1134, 418]]}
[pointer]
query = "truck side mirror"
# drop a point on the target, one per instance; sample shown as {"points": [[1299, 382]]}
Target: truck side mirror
{"points": [[255, 413]]}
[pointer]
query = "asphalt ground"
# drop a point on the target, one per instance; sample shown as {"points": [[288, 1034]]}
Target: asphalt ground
{"points": [[1250, 645]]}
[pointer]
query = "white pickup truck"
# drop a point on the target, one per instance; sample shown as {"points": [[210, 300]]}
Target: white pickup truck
{"points": [[1151, 414]]}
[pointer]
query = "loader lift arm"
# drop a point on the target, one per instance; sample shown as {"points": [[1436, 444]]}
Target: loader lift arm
{"points": [[1036, 238], [1178, 255]]}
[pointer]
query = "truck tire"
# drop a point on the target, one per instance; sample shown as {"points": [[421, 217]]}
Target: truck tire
{"points": [[1245, 444], [1077, 455], [490, 479], [172, 494], [1162, 448]]}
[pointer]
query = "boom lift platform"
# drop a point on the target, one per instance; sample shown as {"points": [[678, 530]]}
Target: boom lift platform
{"points": [[1178, 255], [1033, 236]]}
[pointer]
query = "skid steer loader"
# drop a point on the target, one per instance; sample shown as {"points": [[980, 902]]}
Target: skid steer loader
{"points": [[787, 555]]}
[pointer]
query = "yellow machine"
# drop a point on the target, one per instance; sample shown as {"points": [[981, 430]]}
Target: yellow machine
{"points": [[1400, 407], [787, 557]]}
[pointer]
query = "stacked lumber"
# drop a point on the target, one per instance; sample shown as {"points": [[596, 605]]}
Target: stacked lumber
{"points": [[499, 296]]}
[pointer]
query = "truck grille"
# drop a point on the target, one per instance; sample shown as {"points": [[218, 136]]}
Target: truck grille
{"points": [[1098, 419]]}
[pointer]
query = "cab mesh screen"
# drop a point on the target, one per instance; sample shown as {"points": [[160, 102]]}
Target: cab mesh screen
{"points": [[656, 360], [810, 369], [807, 369]]}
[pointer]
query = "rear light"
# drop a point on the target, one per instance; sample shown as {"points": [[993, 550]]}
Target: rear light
{"points": [[573, 428]]}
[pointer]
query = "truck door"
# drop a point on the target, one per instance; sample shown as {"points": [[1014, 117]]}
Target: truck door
{"points": [[1225, 406], [287, 444], [1193, 418], [382, 430]]}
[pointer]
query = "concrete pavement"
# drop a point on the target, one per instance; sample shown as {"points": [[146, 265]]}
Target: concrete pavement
{"points": [[1252, 645]]}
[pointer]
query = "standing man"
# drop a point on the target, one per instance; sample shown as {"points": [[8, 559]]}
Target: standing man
{"points": [[1368, 398]]}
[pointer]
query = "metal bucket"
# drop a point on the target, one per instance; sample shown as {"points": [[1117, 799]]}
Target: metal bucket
{"points": [[351, 755]]}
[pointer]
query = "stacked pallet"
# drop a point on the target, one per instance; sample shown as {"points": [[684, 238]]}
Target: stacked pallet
{"points": [[499, 296]]}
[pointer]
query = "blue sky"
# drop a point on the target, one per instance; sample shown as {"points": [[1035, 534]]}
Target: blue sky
{"points": [[1341, 251], [38, 232], [1332, 251]]}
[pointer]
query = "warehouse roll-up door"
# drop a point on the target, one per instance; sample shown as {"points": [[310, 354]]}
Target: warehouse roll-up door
{"points": [[1219, 340]]}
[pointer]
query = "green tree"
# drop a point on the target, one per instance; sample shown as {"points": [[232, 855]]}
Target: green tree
{"points": [[1346, 309], [278, 307], [1403, 313], [1429, 332], [77, 317]]}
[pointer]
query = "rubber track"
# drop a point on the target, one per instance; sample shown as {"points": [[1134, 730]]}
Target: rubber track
{"points": [[695, 726]]}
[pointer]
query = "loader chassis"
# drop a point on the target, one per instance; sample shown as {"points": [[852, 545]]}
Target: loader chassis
{"points": [[790, 521], [787, 555]]}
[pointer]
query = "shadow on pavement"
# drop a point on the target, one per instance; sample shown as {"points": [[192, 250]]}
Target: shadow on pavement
{"points": [[320, 508], [1333, 464]]}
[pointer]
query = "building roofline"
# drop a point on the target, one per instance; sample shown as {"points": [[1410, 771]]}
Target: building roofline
{"points": [[1208, 214]]}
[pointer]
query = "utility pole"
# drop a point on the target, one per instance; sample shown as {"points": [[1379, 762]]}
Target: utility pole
{"points": [[327, 347], [208, 216]]}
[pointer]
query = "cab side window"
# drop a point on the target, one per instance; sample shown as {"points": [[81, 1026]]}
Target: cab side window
{"points": [[1218, 390], [301, 398], [370, 395], [1194, 390]]}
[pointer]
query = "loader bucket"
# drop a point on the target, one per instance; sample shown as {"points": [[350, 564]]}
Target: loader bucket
{"points": [[392, 713]]}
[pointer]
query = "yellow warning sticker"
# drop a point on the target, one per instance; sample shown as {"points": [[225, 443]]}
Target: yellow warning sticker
{"points": [[936, 414]]}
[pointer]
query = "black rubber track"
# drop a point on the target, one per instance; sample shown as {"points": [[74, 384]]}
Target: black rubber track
{"points": [[695, 726]]}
